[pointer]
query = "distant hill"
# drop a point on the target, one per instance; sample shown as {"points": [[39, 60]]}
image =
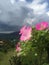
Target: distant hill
{"points": [[6, 27], [9, 36]]}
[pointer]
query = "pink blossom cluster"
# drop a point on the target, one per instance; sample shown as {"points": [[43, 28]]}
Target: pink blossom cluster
{"points": [[41, 26], [18, 48], [25, 33]]}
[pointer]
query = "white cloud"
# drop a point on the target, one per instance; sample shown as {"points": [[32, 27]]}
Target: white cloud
{"points": [[29, 20], [0, 11], [12, 1], [37, 7], [47, 13], [14, 12], [11, 13], [22, 0], [38, 11]]}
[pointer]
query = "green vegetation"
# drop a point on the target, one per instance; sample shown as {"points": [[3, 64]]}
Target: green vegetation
{"points": [[34, 51], [4, 57], [7, 47]]}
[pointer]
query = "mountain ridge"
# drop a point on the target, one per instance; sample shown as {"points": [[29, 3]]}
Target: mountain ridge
{"points": [[9, 36]]}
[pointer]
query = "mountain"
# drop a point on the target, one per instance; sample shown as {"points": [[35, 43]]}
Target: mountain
{"points": [[9, 36], [7, 31]]}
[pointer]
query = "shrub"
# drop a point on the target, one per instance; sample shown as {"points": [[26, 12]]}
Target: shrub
{"points": [[34, 45]]}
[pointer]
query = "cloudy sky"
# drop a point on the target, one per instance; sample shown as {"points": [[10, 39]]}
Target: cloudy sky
{"points": [[16, 13]]}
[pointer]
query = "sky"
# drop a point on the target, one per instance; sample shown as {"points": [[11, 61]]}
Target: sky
{"points": [[16, 13]]}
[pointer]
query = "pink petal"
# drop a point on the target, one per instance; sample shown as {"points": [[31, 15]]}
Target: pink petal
{"points": [[41, 26]]}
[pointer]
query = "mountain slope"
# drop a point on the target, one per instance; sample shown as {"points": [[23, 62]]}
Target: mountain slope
{"points": [[9, 36]]}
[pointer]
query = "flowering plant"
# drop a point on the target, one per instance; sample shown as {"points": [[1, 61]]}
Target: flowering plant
{"points": [[33, 48]]}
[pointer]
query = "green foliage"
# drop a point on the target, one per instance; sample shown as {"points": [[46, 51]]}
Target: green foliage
{"points": [[8, 45], [35, 51]]}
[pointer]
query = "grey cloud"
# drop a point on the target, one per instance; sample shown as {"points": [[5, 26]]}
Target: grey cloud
{"points": [[12, 16], [17, 17]]}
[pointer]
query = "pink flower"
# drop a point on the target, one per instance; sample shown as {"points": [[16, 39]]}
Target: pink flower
{"points": [[25, 33], [18, 48], [22, 29], [41, 26], [48, 27]]}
